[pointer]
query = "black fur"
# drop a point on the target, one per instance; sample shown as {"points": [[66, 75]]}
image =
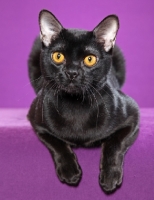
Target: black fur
{"points": [[87, 110]]}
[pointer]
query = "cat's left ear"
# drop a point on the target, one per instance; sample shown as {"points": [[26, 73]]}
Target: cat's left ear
{"points": [[106, 31], [50, 27]]}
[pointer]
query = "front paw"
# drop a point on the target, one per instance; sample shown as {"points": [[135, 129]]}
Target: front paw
{"points": [[110, 179], [69, 172]]}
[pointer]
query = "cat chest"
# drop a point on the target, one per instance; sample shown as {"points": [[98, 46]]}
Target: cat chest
{"points": [[76, 123]]}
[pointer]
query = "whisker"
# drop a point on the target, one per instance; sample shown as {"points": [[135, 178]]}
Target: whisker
{"points": [[101, 98], [44, 99], [97, 106], [106, 93], [83, 95], [55, 87], [88, 95], [31, 81], [57, 90]]}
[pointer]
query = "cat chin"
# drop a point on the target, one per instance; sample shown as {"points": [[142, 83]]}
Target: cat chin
{"points": [[71, 90]]}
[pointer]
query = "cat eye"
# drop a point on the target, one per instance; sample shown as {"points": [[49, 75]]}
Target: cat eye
{"points": [[90, 60], [58, 57]]}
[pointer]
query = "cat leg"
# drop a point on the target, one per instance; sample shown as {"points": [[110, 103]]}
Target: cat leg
{"points": [[114, 149], [67, 167]]}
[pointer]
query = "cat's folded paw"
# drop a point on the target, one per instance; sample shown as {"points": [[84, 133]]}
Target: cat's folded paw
{"points": [[110, 180], [69, 173]]}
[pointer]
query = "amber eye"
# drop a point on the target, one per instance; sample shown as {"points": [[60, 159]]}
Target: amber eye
{"points": [[90, 60], [58, 57]]}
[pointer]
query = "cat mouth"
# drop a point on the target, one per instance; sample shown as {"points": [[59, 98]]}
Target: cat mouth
{"points": [[71, 88]]}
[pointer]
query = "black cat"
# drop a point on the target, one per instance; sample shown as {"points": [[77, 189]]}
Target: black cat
{"points": [[77, 77]]}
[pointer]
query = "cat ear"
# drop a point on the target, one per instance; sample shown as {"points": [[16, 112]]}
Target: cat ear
{"points": [[50, 27], [106, 31]]}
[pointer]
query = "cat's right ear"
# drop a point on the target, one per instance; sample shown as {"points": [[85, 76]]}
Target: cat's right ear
{"points": [[50, 27]]}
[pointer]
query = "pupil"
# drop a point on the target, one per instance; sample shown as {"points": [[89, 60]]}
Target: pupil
{"points": [[89, 59], [58, 55]]}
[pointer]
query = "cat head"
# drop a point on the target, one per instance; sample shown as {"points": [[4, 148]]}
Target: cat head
{"points": [[73, 59]]}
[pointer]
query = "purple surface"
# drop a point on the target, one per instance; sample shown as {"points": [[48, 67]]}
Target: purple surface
{"points": [[27, 170], [19, 26]]}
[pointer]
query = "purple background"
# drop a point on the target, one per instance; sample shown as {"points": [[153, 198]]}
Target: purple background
{"points": [[19, 27]]}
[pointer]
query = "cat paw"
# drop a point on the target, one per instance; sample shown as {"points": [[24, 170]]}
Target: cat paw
{"points": [[110, 180], [69, 173]]}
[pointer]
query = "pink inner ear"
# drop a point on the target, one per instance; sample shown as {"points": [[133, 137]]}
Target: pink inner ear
{"points": [[106, 32], [49, 26]]}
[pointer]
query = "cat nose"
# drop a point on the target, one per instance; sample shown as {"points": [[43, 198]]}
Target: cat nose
{"points": [[71, 74]]}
